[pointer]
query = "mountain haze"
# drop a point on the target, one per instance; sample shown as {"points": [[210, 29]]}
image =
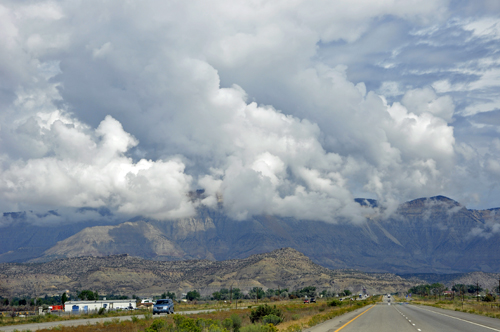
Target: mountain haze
{"points": [[427, 235]]}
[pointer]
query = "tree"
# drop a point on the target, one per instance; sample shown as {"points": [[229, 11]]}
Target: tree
{"points": [[437, 289], [88, 295], [270, 292], [64, 298], [193, 295], [237, 294], [171, 295], [347, 292], [256, 292], [217, 296], [5, 301], [167, 295]]}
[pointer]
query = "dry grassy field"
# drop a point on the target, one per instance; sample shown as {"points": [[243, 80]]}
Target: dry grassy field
{"points": [[295, 315]]}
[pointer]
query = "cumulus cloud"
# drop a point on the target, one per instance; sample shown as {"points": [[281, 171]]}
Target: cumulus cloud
{"points": [[89, 169], [247, 101]]}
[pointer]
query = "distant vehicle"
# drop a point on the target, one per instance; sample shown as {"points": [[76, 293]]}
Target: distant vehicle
{"points": [[163, 306], [56, 308], [389, 295], [306, 301], [313, 300]]}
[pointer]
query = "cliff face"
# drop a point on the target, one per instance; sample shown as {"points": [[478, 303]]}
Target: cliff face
{"points": [[425, 235]]}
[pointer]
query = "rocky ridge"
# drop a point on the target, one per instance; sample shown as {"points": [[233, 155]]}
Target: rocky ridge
{"points": [[124, 274]]}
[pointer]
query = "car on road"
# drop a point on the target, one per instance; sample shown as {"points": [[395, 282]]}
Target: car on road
{"points": [[313, 300], [306, 301], [163, 306]]}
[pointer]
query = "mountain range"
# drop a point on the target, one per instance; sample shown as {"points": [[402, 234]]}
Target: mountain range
{"points": [[124, 274], [426, 235]]}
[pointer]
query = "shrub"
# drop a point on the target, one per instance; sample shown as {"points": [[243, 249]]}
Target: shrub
{"points": [[335, 303], [294, 328], [186, 324], [264, 310], [295, 317], [251, 328], [272, 319], [227, 323], [489, 298], [135, 319], [216, 328], [157, 325], [236, 322], [148, 315], [101, 311], [268, 328]]}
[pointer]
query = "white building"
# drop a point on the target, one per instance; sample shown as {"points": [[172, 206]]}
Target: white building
{"points": [[86, 306]]}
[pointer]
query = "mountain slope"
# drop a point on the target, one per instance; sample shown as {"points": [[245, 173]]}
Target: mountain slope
{"points": [[123, 274], [428, 235]]}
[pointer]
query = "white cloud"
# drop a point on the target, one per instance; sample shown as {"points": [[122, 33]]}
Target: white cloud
{"points": [[84, 169], [128, 112]]}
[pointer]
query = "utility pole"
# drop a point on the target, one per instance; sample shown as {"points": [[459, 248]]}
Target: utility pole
{"points": [[477, 291], [231, 294]]}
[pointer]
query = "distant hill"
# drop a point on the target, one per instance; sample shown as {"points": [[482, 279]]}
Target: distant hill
{"points": [[123, 274], [426, 235]]}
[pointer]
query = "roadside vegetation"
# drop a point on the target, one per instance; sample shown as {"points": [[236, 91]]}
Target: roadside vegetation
{"points": [[25, 310], [266, 316]]}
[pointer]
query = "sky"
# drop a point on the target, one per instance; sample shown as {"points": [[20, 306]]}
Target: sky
{"points": [[289, 108]]}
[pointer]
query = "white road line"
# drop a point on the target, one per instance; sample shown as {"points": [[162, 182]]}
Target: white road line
{"points": [[463, 320], [407, 318]]}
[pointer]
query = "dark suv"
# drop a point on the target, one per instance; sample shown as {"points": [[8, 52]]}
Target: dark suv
{"points": [[163, 305]]}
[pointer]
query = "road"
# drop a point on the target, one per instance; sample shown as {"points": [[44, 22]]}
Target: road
{"points": [[407, 318], [76, 322]]}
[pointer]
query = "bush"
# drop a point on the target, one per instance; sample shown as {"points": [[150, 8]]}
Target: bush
{"points": [[294, 328], [186, 324], [272, 319], [335, 303], [135, 319], [216, 328], [101, 311], [236, 322], [295, 317], [264, 310], [252, 328], [227, 323], [268, 328], [489, 298], [148, 315], [156, 326]]}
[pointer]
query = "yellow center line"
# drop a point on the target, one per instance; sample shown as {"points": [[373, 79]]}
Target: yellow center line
{"points": [[352, 320]]}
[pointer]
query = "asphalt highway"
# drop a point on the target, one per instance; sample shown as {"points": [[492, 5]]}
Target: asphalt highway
{"points": [[390, 316]]}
